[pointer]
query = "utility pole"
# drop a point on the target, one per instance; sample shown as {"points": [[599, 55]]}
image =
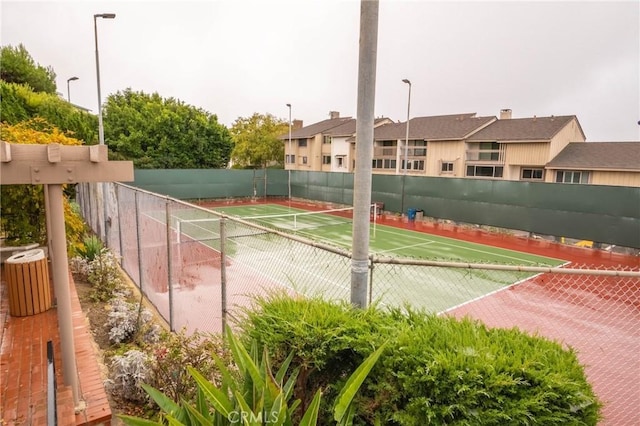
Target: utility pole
{"points": [[364, 150]]}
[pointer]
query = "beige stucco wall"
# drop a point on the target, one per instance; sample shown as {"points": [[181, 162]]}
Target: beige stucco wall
{"points": [[527, 154], [570, 133], [449, 151], [615, 178]]}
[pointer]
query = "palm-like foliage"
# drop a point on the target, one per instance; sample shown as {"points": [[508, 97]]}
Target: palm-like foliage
{"points": [[256, 397]]}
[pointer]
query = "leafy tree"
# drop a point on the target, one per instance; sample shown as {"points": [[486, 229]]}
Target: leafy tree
{"points": [[17, 66], [22, 219], [20, 103], [160, 133], [256, 141]]}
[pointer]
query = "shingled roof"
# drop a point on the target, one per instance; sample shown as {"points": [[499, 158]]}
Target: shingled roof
{"points": [[349, 128], [433, 128], [319, 127], [523, 129], [616, 156]]}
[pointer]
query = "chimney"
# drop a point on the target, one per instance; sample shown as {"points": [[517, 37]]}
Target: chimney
{"points": [[334, 114], [505, 114], [296, 124]]}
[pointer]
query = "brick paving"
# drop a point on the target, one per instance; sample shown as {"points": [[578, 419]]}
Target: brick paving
{"points": [[23, 368]]}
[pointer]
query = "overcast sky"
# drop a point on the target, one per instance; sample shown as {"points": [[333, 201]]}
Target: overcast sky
{"points": [[237, 57]]}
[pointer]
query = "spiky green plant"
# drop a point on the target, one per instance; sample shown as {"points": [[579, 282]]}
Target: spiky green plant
{"points": [[259, 397]]}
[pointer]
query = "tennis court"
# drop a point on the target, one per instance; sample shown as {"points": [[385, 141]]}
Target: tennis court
{"points": [[303, 269]]}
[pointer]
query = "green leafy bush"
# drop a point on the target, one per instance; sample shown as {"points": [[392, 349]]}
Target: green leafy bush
{"points": [[91, 248], [437, 370], [104, 275], [174, 352], [253, 396]]}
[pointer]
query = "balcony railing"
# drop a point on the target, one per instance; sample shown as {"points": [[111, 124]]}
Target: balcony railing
{"points": [[391, 151], [486, 155]]}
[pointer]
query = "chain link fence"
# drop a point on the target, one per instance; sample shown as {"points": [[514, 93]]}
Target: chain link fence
{"points": [[200, 269]]}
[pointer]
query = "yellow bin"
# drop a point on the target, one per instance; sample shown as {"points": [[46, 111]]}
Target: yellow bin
{"points": [[27, 275]]}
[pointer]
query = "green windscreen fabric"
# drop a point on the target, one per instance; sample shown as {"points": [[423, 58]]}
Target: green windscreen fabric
{"points": [[607, 214]]}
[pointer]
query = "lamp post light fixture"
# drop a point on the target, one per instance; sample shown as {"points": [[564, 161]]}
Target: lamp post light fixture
{"points": [[95, 31], [406, 141], [68, 92]]}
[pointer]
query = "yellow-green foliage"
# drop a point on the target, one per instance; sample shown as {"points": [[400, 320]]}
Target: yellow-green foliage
{"points": [[23, 206]]}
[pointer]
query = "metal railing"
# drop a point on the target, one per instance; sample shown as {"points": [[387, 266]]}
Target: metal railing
{"points": [[52, 403]]}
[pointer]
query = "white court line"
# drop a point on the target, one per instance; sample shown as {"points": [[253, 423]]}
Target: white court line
{"points": [[292, 265], [475, 299], [408, 247], [470, 248]]}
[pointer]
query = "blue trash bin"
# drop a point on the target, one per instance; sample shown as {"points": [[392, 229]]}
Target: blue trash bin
{"points": [[411, 214]]}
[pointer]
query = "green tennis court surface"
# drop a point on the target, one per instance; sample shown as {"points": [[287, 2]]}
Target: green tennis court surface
{"points": [[313, 271], [384, 240]]}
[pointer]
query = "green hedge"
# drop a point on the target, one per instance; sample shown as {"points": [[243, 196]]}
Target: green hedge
{"points": [[435, 370]]}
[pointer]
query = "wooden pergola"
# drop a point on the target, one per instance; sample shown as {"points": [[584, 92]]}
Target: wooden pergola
{"points": [[54, 165]]}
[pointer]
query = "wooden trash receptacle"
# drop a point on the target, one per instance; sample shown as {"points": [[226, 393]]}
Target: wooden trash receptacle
{"points": [[27, 275]]}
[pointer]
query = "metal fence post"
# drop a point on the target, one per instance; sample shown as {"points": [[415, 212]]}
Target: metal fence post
{"points": [[169, 262], [119, 223], [223, 275], [137, 211], [372, 263]]}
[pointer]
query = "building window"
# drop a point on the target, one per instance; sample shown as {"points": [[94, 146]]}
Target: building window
{"points": [[290, 159], [485, 171], [326, 159], [388, 143], [340, 161], [414, 164], [532, 174], [569, 176], [302, 142], [493, 153], [326, 140], [389, 164], [446, 167], [377, 163], [304, 160]]}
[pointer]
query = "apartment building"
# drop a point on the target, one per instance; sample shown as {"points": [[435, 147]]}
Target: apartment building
{"points": [[597, 163], [538, 149], [519, 148], [324, 146]]}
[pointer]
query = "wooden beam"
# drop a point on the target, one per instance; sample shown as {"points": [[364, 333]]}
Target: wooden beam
{"points": [[60, 164], [36, 173]]}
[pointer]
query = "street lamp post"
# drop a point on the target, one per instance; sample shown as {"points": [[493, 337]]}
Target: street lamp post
{"points": [[406, 141], [289, 156], [68, 92], [95, 31], [289, 105]]}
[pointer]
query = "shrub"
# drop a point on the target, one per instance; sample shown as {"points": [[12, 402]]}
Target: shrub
{"points": [[174, 352], [437, 370], [104, 275], [128, 372], [91, 248], [128, 322], [257, 396]]}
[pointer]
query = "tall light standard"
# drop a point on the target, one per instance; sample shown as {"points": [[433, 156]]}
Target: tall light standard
{"points": [[68, 92], [289, 156], [101, 189], [95, 31], [406, 141]]}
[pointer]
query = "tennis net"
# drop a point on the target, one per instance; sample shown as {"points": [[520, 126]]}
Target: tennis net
{"points": [[301, 221]]}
